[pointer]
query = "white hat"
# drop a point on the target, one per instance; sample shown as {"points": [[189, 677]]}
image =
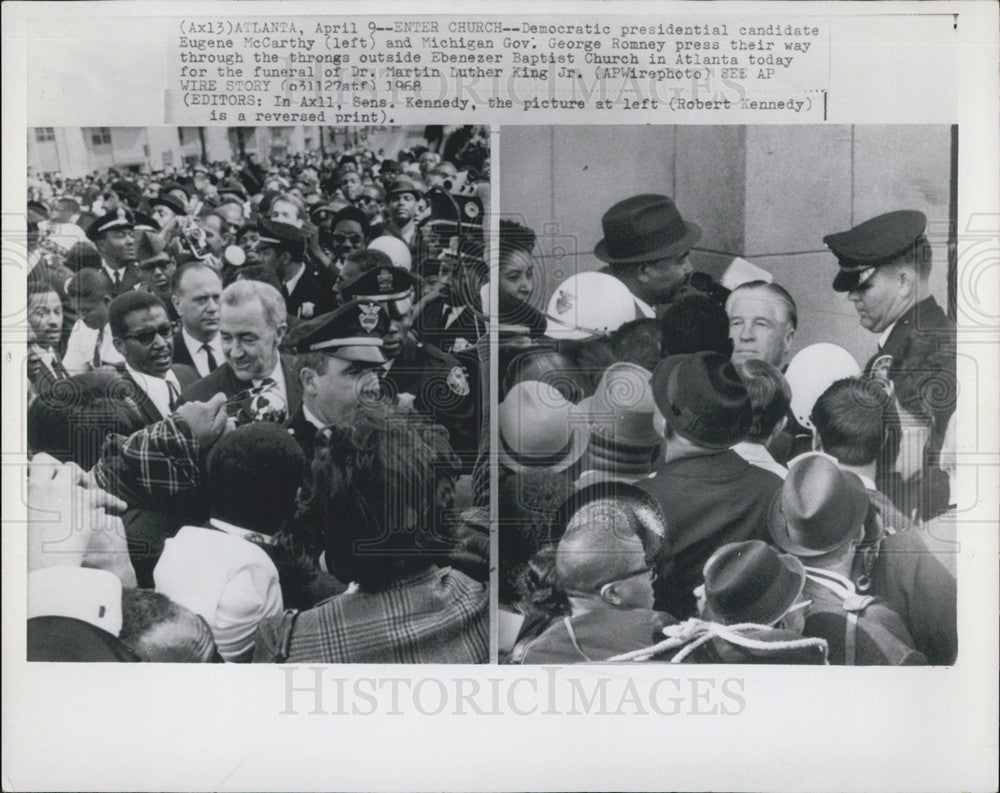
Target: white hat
{"points": [[589, 305], [229, 581], [740, 272], [813, 370], [82, 593], [394, 248]]}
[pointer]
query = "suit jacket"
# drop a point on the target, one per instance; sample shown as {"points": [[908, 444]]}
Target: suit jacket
{"points": [[183, 355], [300, 428], [186, 376], [131, 278], [708, 501], [316, 287], [223, 379]]}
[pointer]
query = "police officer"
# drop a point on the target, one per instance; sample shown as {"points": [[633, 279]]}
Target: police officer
{"points": [[112, 235], [885, 266], [434, 382], [308, 290], [337, 358]]}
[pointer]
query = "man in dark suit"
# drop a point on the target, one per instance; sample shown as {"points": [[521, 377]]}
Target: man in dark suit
{"points": [[252, 322], [196, 291], [144, 336], [308, 290], [112, 235]]}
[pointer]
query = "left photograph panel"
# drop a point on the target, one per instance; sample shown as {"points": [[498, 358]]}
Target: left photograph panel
{"points": [[254, 389]]}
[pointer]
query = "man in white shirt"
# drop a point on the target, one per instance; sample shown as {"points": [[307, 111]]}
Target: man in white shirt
{"points": [[90, 345], [196, 294], [144, 336]]}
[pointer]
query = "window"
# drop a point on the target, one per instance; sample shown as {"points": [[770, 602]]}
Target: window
{"points": [[100, 136], [44, 134]]}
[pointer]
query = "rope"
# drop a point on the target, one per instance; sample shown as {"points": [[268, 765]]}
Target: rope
{"points": [[695, 632]]}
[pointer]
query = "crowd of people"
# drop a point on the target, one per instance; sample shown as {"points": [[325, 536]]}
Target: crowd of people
{"points": [[675, 485], [255, 409]]}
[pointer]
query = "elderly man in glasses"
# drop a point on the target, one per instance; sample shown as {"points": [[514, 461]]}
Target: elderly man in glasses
{"points": [[144, 337], [604, 569]]}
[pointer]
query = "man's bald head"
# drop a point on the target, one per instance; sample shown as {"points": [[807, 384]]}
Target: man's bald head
{"points": [[601, 543]]}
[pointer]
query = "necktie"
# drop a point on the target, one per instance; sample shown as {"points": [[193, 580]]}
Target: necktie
{"points": [[174, 394], [117, 274], [212, 363], [58, 369], [97, 349]]}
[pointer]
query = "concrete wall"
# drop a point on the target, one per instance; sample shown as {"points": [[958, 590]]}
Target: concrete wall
{"points": [[767, 193]]}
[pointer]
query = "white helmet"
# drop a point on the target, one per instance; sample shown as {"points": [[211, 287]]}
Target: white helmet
{"points": [[394, 248], [813, 370], [589, 305]]}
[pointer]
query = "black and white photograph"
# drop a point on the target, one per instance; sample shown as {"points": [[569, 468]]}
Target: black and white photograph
{"points": [[727, 418], [253, 371]]}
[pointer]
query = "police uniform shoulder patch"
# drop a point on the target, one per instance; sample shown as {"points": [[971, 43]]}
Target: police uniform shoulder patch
{"points": [[369, 316], [880, 368], [385, 280], [458, 382]]}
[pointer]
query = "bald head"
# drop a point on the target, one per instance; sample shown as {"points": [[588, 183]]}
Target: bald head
{"points": [[601, 543]]}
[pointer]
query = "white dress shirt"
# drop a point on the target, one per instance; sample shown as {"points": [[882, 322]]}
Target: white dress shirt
{"points": [[278, 375], [79, 355], [292, 282], [156, 388], [198, 354]]}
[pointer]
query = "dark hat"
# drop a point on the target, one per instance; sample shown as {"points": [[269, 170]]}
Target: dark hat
{"points": [[404, 185], [37, 211], [170, 202], [284, 236], [231, 186], [703, 399], [382, 284], [143, 222], [167, 187], [320, 211], [644, 228], [353, 332], [751, 582], [389, 166], [150, 247], [128, 190], [872, 243], [120, 219], [81, 255], [355, 214], [819, 509]]}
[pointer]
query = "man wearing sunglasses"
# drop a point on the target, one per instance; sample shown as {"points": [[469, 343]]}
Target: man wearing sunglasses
{"points": [[308, 291], [144, 336]]}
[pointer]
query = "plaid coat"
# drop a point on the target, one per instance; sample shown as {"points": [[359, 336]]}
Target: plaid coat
{"points": [[437, 616]]}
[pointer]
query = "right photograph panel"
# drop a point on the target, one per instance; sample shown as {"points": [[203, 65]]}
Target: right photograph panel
{"points": [[726, 394]]}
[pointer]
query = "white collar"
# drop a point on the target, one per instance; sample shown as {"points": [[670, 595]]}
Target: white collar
{"points": [[292, 282], [111, 270], [245, 534], [885, 335], [311, 417], [148, 380], [194, 345]]}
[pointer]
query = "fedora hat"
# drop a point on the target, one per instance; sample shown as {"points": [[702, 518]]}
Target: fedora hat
{"points": [[703, 399], [620, 413], [819, 509], [540, 428], [751, 582], [644, 228]]}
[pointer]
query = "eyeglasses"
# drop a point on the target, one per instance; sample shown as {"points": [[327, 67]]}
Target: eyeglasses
{"points": [[354, 239], [148, 336]]}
